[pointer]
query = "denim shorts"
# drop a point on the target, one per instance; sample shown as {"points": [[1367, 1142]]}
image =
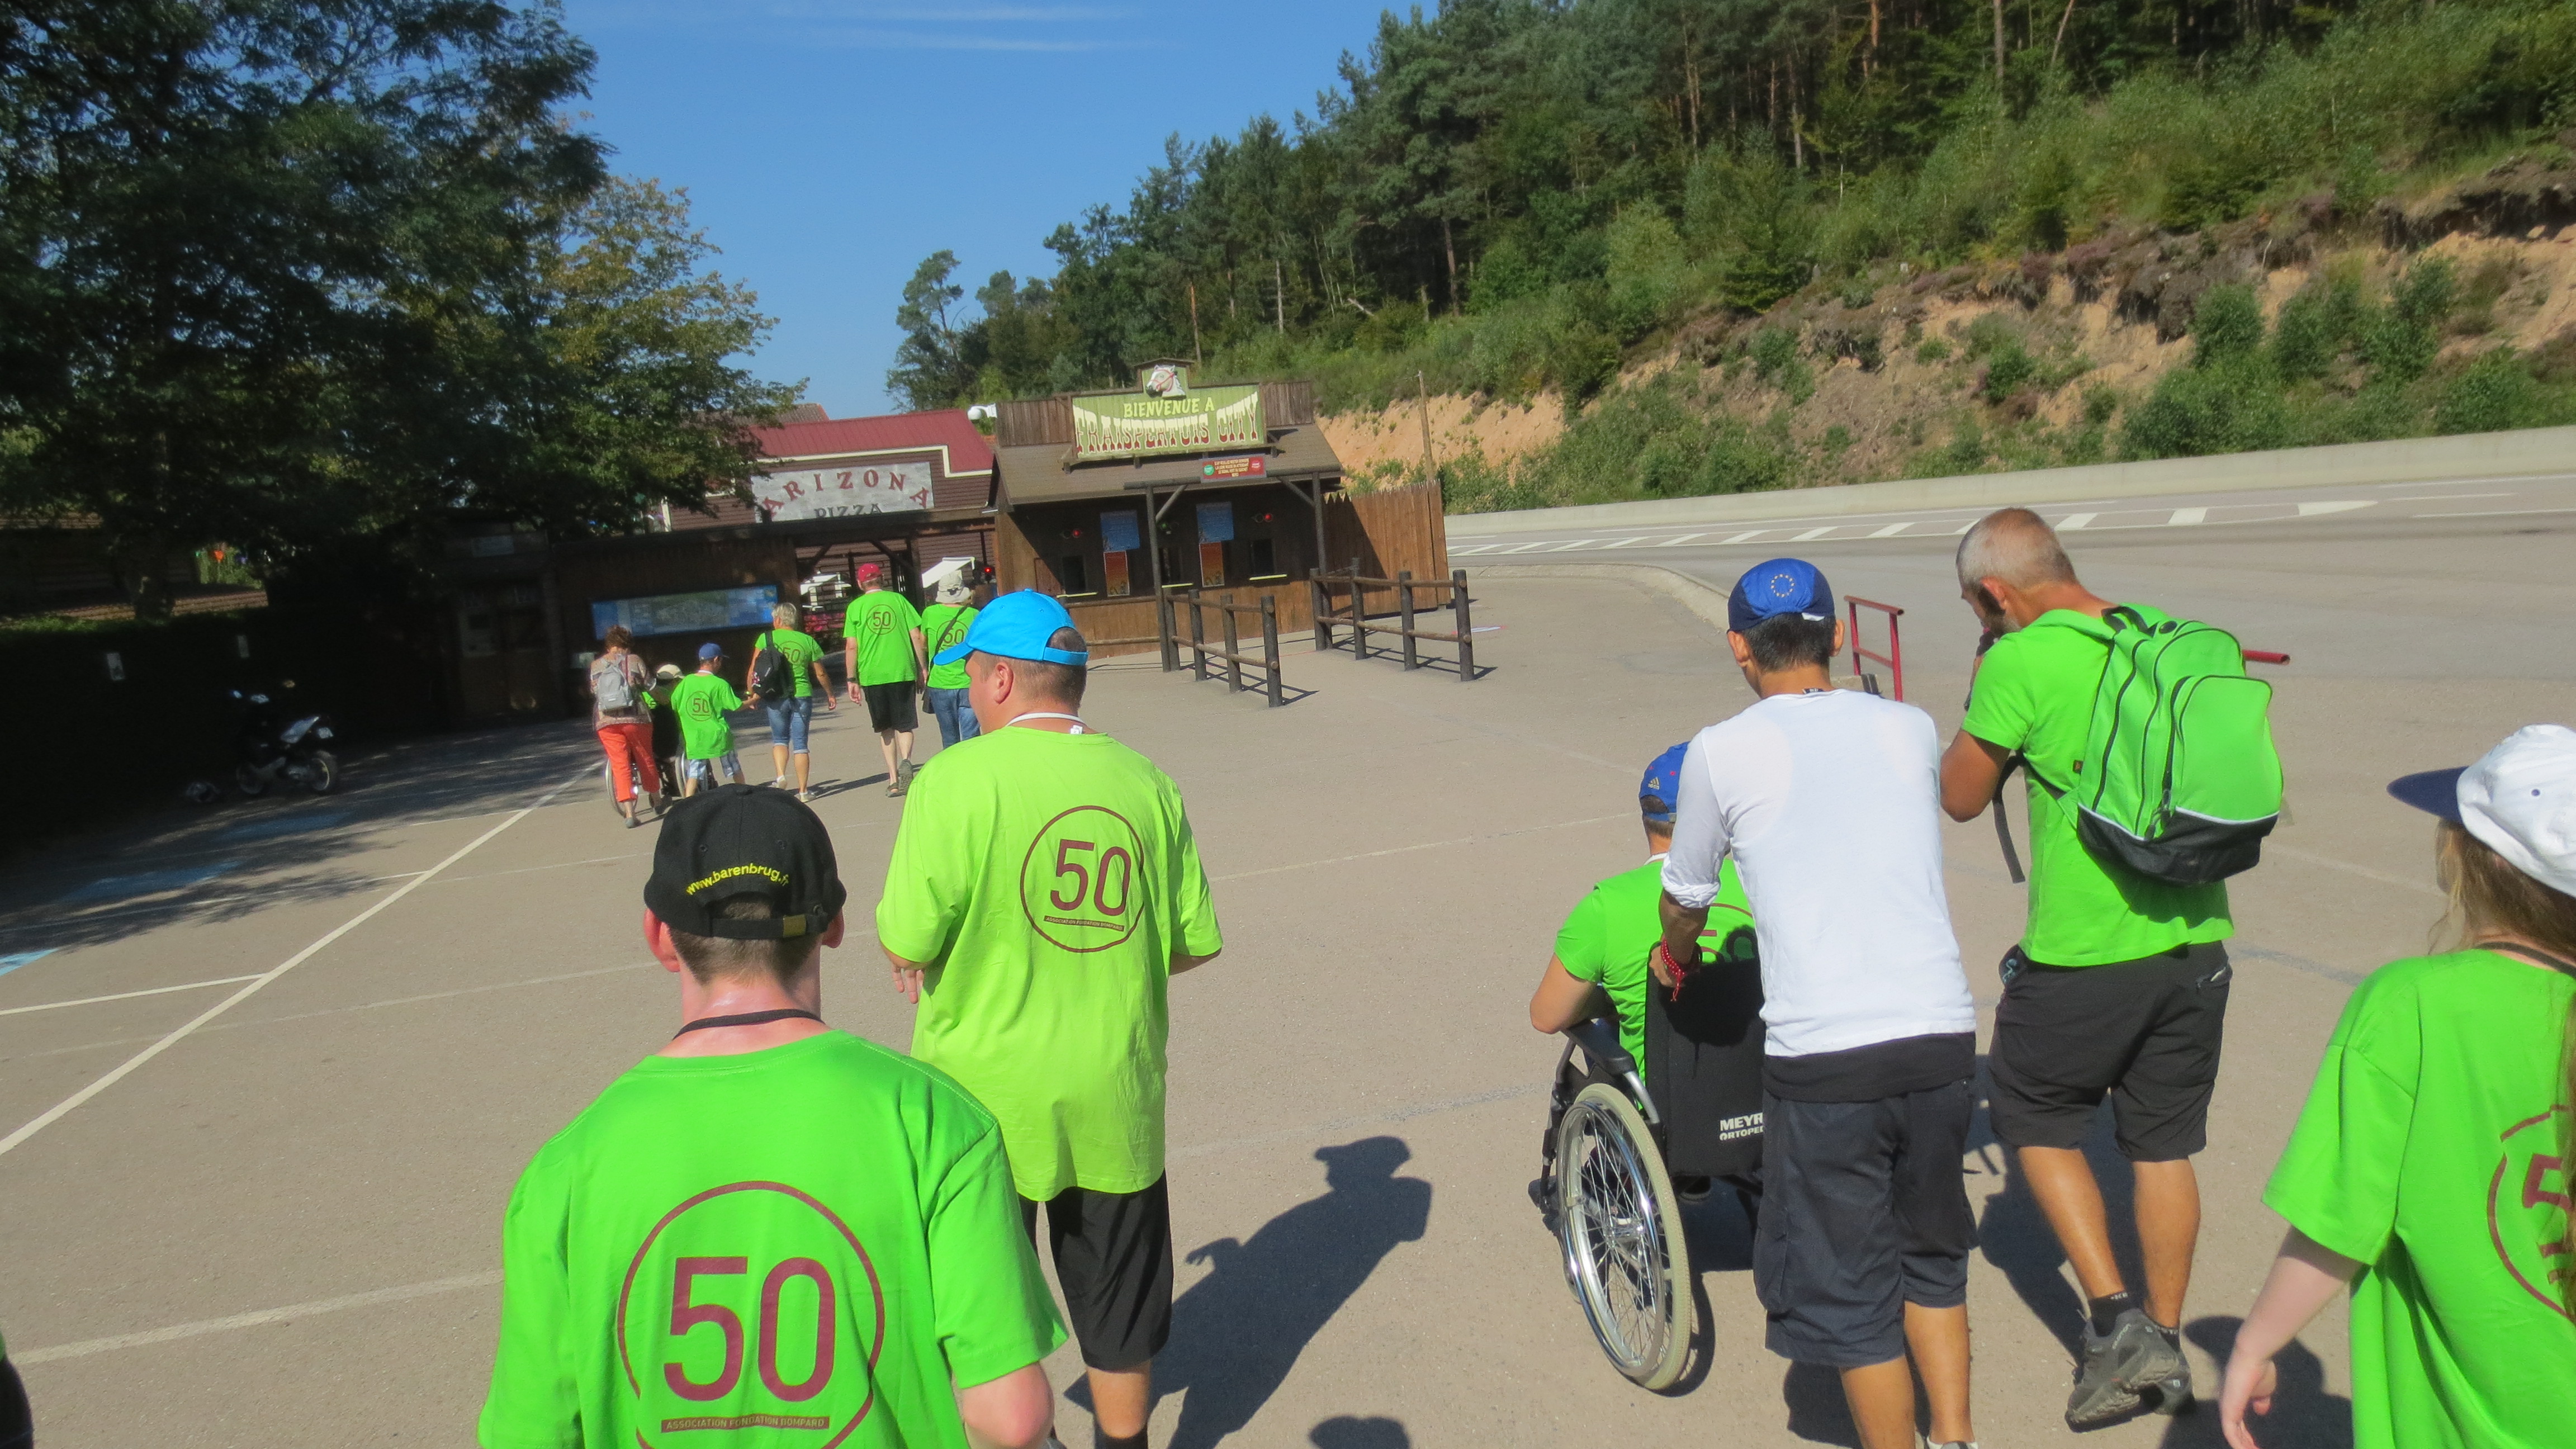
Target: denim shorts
{"points": [[707, 769], [788, 720]]}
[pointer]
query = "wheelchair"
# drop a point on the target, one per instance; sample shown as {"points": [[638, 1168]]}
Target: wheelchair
{"points": [[1613, 1145]]}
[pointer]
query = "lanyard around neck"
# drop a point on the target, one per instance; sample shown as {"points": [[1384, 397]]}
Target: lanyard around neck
{"points": [[2537, 958], [747, 1018], [1079, 728]]}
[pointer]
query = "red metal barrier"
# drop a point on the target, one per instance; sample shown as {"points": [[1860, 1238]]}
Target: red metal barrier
{"points": [[2265, 656], [1894, 658]]}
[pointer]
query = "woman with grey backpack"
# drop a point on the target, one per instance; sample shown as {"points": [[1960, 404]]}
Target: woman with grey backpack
{"points": [[624, 721]]}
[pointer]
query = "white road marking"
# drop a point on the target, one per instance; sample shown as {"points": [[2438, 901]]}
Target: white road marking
{"points": [[124, 995], [1677, 542], [2498, 513], [1892, 530], [2075, 520], [1811, 533], [2445, 497], [2314, 510], [2381, 876], [1748, 533], [2186, 517], [1524, 548], [264, 1316], [64, 1107], [1624, 542]]}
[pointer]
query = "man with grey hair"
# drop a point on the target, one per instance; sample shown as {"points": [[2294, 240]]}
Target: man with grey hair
{"points": [[2118, 986], [792, 714]]}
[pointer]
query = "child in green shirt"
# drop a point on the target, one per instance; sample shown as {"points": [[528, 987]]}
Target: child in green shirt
{"points": [[701, 701], [2430, 1171]]}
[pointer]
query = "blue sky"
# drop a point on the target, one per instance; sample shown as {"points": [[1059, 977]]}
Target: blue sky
{"points": [[829, 145]]}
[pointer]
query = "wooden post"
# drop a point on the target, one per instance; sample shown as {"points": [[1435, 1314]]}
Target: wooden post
{"points": [[1270, 648], [1198, 637], [1163, 627], [1404, 615], [1466, 626], [1359, 635], [1323, 631], [1233, 652]]}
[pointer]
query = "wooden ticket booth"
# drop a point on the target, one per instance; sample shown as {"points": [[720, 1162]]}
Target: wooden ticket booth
{"points": [[1108, 499]]}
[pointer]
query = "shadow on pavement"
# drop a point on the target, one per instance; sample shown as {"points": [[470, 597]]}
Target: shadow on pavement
{"points": [[227, 861], [2304, 1415], [1238, 1331], [1346, 1432], [2015, 1236]]}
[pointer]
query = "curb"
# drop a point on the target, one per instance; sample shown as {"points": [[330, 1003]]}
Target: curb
{"points": [[1697, 595], [2529, 452]]}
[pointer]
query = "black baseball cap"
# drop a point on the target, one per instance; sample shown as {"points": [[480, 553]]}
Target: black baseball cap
{"points": [[741, 840]]}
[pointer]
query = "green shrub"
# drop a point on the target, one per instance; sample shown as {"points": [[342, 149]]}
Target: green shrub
{"points": [[1581, 361], [1774, 351], [1741, 460], [1645, 272], [1932, 349], [2007, 368], [1964, 453], [2195, 411], [2227, 326], [2492, 394], [2314, 327], [2400, 340], [2100, 403]]}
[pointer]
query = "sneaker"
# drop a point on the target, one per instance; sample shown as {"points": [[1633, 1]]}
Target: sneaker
{"points": [[904, 770], [805, 797], [2134, 1358], [1921, 1441]]}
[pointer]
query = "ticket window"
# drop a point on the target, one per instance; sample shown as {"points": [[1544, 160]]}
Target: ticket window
{"points": [[1216, 544], [1257, 544], [1120, 541]]}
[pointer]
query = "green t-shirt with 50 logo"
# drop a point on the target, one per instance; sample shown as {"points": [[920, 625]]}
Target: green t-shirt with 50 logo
{"points": [[1047, 880], [880, 622], [941, 626], [743, 1250]]}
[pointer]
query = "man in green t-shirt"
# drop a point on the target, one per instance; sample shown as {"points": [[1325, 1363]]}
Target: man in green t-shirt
{"points": [[2118, 986], [1043, 891], [1601, 950], [768, 1232], [702, 700], [789, 718], [944, 625], [882, 652]]}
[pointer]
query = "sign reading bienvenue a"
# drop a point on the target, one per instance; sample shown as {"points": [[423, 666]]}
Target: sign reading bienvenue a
{"points": [[841, 492], [1142, 424]]}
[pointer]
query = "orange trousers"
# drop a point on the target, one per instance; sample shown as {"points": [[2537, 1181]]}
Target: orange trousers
{"points": [[633, 743]]}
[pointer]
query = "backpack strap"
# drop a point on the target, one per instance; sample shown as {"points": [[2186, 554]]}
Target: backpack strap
{"points": [[2003, 826]]}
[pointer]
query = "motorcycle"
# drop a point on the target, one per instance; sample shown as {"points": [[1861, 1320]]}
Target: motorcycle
{"points": [[270, 748]]}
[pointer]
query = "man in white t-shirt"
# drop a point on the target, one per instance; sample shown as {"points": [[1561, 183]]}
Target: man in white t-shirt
{"points": [[1829, 803]]}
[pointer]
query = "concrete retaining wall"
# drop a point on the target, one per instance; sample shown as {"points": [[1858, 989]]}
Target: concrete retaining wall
{"points": [[2528, 453]]}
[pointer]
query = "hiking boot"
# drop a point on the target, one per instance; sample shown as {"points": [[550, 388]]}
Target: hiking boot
{"points": [[2134, 1358]]}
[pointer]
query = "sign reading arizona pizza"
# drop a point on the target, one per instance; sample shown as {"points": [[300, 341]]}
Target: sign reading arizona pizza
{"points": [[750, 1306], [842, 492]]}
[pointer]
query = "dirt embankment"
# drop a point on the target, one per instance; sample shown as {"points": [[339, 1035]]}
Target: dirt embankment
{"points": [[1886, 370]]}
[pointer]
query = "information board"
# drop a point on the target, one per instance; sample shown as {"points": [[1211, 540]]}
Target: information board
{"points": [[704, 612]]}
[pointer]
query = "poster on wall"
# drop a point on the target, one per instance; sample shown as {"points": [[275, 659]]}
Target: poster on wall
{"points": [[1113, 574], [843, 492], [1216, 523], [702, 612], [1118, 532]]}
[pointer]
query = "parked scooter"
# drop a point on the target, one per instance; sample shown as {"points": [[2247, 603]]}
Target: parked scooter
{"points": [[274, 746]]}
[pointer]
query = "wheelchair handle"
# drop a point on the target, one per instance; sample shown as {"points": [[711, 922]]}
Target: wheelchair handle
{"points": [[1599, 1039]]}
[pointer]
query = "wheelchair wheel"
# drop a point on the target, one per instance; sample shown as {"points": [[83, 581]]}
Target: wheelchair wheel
{"points": [[1621, 1229]]}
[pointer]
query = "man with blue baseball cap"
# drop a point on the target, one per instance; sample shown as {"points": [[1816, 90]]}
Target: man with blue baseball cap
{"points": [[1044, 890], [1829, 802]]}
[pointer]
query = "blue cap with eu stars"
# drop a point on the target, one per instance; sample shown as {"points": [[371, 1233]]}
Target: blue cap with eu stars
{"points": [[1017, 626], [1775, 587], [1663, 782]]}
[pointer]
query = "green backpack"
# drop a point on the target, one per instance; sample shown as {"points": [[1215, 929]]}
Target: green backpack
{"points": [[2179, 780]]}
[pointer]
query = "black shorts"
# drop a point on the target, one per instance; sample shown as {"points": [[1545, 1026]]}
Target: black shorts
{"points": [[1864, 1210], [890, 706], [2145, 1033], [1113, 1258]]}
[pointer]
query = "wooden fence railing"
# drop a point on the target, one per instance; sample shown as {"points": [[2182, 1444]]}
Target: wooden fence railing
{"points": [[1355, 617], [1232, 655]]}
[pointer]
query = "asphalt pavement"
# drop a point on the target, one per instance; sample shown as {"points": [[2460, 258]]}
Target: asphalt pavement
{"points": [[268, 1072]]}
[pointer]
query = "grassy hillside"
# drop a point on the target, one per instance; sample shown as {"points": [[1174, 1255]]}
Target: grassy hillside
{"points": [[1679, 219]]}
